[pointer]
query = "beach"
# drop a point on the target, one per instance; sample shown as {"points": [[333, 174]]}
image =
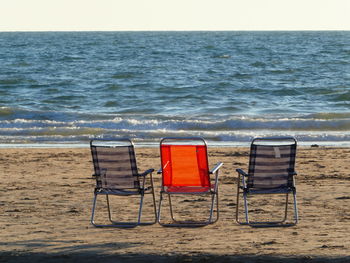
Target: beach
{"points": [[46, 200]]}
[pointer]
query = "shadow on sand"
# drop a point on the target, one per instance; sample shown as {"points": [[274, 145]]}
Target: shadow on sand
{"points": [[64, 251], [88, 257]]}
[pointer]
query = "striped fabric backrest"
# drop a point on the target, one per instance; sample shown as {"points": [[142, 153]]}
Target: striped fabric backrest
{"points": [[115, 166], [270, 166]]}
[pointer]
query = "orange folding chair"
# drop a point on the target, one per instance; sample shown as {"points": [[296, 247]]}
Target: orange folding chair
{"points": [[185, 171]]}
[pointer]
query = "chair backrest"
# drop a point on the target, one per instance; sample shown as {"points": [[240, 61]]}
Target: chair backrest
{"points": [[272, 162], [115, 164], [184, 162]]}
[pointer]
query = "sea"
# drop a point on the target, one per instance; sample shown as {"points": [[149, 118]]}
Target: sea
{"points": [[66, 88]]}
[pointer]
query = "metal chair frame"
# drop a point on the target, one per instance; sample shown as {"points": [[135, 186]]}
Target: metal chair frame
{"points": [[242, 188], [213, 192], [141, 191]]}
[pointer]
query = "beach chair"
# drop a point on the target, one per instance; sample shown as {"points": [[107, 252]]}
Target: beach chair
{"points": [[116, 174], [271, 171], [185, 172]]}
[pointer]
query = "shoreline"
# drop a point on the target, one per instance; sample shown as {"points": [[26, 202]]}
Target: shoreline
{"points": [[328, 144]]}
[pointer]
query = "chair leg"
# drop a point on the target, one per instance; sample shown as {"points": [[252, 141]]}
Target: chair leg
{"points": [[154, 206], [286, 209], [109, 209], [217, 207], [211, 208], [140, 209], [296, 216], [171, 209], [93, 210], [154, 209], [214, 198], [159, 207], [246, 211], [237, 206], [154, 200], [142, 199], [246, 207], [237, 201]]}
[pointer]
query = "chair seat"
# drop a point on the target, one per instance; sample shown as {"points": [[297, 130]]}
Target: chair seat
{"points": [[188, 189], [280, 190], [117, 191]]}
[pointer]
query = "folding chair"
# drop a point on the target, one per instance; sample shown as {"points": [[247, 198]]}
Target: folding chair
{"points": [[184, 169], [271, 171], [116, 174]]}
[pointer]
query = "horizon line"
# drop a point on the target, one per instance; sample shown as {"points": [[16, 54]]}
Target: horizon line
{"points": [[183, 30]]}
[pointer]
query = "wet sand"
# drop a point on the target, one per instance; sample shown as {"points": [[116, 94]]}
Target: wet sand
{"points": [[46, 200]]}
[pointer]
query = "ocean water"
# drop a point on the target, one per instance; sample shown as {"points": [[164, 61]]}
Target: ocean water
{"points": [[228, 87]]}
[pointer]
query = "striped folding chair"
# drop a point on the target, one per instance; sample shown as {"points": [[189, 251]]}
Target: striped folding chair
{"points": [[184, 169], [116, 174], [271, 171]]}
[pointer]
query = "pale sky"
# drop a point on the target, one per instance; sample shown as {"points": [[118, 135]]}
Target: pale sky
{"points": [[116, 15]]}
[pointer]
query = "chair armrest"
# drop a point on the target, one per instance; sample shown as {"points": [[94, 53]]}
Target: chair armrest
{"points": [[160, 171], [147, 172], [217, 167], [215, 171], [241, 172]]}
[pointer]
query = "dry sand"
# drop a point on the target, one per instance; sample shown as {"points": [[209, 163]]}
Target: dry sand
{"points": [[46, 199]]}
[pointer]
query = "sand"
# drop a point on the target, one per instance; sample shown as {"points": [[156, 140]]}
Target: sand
{"points": [[46, 200]]}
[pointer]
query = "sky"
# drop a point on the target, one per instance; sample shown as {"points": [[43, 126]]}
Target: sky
{"points": [[130, 15]]}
